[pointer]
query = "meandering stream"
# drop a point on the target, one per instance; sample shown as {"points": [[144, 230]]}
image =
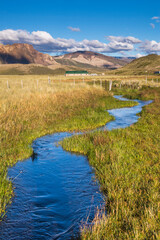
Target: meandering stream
{"points": [[55, 191]]}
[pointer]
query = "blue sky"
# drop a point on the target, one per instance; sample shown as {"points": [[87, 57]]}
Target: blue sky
{"points": [[66, 26]]}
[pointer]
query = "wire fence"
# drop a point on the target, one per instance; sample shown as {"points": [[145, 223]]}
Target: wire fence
{"points": [[25, 83]]}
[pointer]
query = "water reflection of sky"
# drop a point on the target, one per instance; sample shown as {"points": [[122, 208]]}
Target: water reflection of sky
{"points": [[53, 194], [124, 117]]}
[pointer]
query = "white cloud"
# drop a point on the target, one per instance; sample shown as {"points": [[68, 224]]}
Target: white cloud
{"points": [[120, 46], [150, 47], [10, 36], [155, 18], [44, 42], [138, 55], [74, 29], [129, 39], [152, 25]]}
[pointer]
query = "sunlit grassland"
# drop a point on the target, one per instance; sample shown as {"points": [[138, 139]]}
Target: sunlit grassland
{"points": [[41, 83], [44, 78], [127, 165], [32, 106]]}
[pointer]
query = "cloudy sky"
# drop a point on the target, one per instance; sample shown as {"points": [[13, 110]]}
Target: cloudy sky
{"points": [[116, 28]]}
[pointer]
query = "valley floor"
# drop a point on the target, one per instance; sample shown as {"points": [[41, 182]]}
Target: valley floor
{"points": [[126, 161], [26, 114]]}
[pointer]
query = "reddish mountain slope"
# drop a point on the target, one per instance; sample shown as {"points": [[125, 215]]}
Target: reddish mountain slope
{"points": [[23, 53], [93, 59]]}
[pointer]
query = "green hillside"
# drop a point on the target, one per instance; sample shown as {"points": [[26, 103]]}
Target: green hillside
{"points": [[148, 64]]}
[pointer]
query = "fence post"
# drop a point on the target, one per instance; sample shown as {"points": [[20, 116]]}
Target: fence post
{"points": [[21, 83], [8, 84], [110, 85], [49, 80]]}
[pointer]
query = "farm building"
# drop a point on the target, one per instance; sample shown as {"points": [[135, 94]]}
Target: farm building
{"points": [[77, 73], [157, 72]]}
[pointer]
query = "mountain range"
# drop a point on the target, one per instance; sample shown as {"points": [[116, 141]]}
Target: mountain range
{"points": [[25, 54], [21, 58]]}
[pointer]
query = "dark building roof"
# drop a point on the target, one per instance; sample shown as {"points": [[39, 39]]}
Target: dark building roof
{"points": [[76, 72]]}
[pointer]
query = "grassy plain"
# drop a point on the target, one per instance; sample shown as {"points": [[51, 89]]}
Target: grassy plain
{"points": [[126, 161], [32, 106], [127, 165], [31, 80]]}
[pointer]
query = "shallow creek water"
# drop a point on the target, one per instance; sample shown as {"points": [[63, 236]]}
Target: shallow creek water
{"points": [[56, 191]]}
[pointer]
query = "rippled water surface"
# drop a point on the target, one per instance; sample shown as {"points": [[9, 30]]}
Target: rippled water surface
{"points": [[55, 190]]}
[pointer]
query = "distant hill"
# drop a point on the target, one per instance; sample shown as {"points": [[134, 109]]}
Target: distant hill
{"points": [[89, 59], [24, 54], [73, 63], [30, 69], [126, 58], [34, 69], [38, 69], [149, 64]]}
